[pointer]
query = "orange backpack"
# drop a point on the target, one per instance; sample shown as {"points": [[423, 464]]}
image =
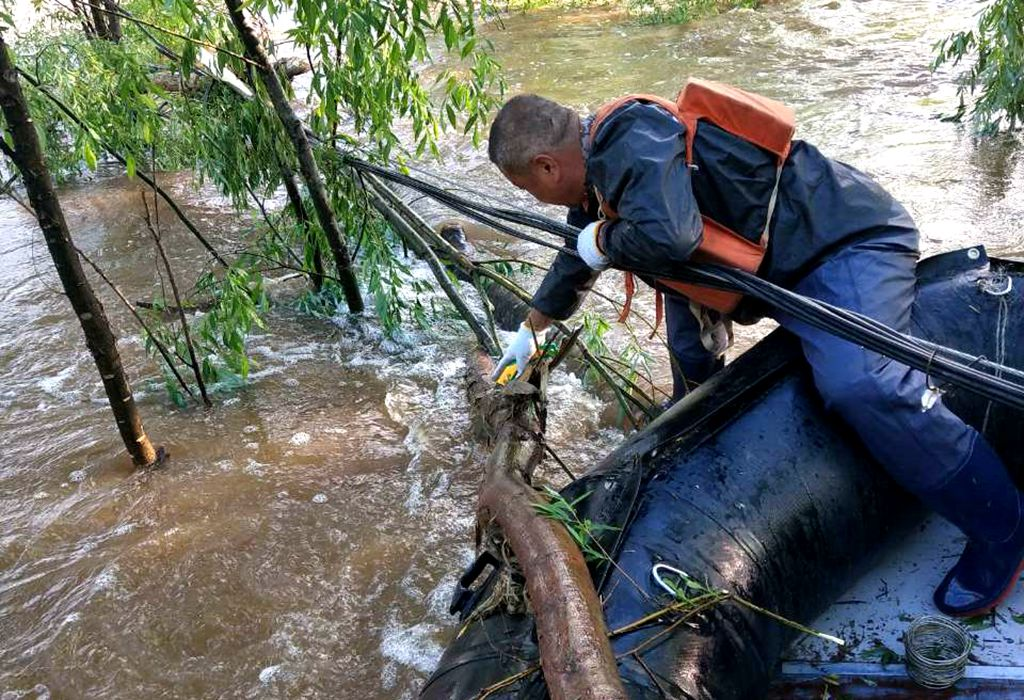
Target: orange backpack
{"points": [[759, 120]]}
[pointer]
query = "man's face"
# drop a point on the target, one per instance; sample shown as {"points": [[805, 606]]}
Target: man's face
{"points": [[552, 179]]}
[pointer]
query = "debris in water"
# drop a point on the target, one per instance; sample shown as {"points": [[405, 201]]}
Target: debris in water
{"points": [[320, 498], [77, 476], [300, 439]]}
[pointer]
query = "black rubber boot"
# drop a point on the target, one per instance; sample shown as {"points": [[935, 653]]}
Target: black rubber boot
{"points": [[983, 501]]}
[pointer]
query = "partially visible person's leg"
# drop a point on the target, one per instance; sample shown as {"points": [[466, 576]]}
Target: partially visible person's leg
{"points": [[691, 361], [929, 451]]}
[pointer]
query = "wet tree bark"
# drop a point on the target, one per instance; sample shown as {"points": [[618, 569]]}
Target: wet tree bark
{"points": [[307, 163], [99, 20], [113, 20], [27, 156], [299, 209], [576, 656]]}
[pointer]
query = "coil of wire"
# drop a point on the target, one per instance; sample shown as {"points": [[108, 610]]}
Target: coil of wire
{"points": [[936, 651]]}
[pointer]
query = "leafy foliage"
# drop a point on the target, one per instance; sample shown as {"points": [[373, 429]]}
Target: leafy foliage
{"points": [[237, 303], [682, 11], [150, 98], [584, 532], [648, 11], [997, 46], [630, 367]]}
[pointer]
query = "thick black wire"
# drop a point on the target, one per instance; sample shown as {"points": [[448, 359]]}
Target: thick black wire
{"points": [[537, 221], [931, 358], [938, 361]]}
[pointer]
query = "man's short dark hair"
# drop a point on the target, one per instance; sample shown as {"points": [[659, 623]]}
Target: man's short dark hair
{"points": [[527, 125]]}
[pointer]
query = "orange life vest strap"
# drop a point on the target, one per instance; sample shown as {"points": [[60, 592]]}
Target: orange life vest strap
{"points": [[659, 313], [627, 306]]}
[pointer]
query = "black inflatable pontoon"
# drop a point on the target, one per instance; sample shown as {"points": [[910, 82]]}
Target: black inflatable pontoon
{"points": [[750, 485]]}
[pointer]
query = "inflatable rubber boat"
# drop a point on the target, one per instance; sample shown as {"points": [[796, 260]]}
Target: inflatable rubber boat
{"points": [[750, 485]]}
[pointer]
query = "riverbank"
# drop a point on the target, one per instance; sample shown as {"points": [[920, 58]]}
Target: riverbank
{"points": [[648, 11]]}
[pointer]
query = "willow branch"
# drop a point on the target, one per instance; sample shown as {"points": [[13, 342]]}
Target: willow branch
{"points": [[193, 362], [34, 82], [198, 42], [406, 231], [141, 321]]}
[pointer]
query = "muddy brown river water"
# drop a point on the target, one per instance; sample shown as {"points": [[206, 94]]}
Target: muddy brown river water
{"points": [[303, 540]]}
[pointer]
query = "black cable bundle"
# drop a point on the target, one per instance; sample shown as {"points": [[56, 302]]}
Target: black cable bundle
{"points": [[975, 374]]}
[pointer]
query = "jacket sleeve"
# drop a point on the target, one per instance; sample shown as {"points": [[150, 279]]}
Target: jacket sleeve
{"points": [[568, 279], [638, 164]]}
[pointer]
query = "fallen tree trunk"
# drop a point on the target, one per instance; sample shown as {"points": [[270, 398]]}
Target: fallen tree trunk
{"points": [[576, 657], [172, 81]]}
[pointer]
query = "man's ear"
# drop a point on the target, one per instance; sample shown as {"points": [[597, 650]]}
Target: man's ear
{"points": [[544, 164]]}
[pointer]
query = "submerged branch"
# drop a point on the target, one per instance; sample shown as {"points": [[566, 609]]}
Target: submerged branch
{"points": [[141, 321], [193, 362], [401, 225]]}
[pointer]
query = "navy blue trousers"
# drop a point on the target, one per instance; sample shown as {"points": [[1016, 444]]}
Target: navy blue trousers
{"points": [[691, 363], [879, 397]]}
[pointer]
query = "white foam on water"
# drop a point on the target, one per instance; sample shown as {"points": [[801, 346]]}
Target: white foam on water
{"points": [[414, 500], [254, 468], [300, 439], [294, 354], [269, 673], [51, 385], [388, 675], [106, 580], [412, 646], [123, 529]]}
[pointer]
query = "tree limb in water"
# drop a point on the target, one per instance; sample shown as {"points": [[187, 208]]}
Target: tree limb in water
{"points": [[172, 81], [424, 251], [307, 163], [99, 337], [576, 657], [193, 362]]}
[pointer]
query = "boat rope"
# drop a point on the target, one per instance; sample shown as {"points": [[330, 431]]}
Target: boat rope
{"points": [[991, 380]]}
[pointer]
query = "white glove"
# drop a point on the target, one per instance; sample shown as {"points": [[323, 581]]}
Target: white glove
{"points": [[586, 246], [520, 350]]}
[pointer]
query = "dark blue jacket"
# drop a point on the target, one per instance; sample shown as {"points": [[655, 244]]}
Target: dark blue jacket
{"points": [[637, 162]]}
